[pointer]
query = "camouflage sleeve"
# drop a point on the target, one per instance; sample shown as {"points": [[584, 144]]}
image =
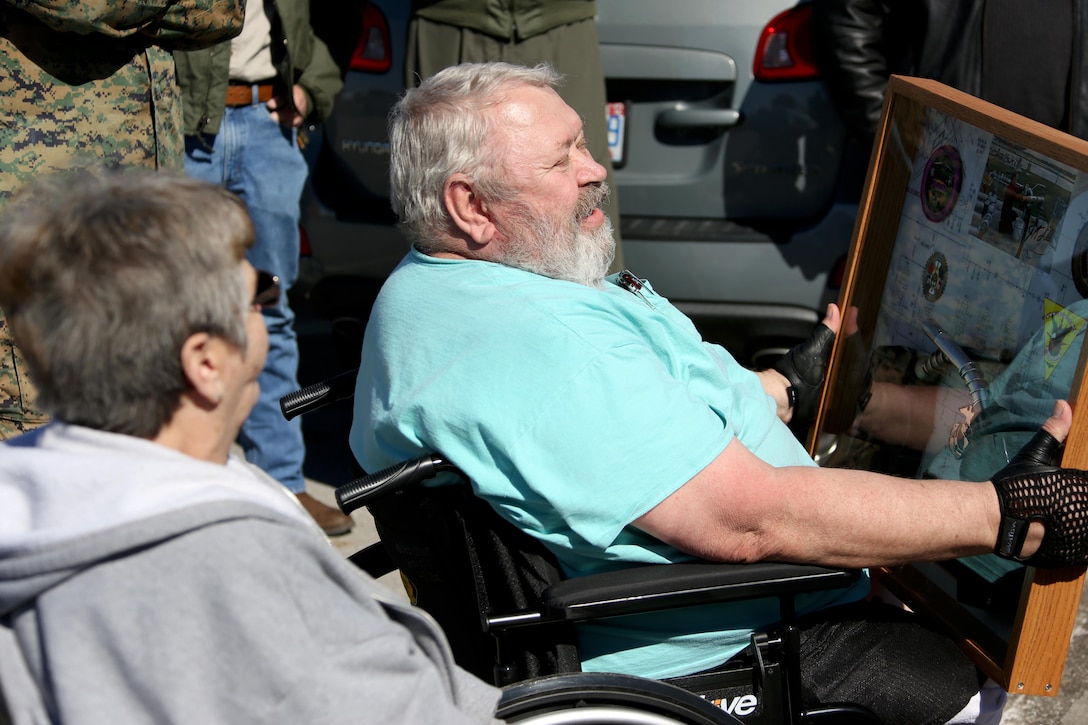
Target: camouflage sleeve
{"points": [[194, 24], [169, 22]]}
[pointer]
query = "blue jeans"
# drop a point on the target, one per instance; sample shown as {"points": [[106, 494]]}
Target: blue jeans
{"points": [[259, 160]]}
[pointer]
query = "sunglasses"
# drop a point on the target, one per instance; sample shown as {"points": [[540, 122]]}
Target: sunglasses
{"points": [[268, 290]]}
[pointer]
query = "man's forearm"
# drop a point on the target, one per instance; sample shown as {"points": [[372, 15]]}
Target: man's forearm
{"points": [[852, 518], [741, 509]]}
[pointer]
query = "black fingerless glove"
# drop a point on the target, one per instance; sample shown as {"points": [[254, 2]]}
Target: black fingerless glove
{"points": [[1031, 488], [805, 366]]}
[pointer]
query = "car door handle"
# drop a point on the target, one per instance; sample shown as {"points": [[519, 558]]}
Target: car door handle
{"points": [[682, 116]]}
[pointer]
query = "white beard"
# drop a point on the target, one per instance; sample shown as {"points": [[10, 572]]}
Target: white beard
{"points": [[562, 251]]}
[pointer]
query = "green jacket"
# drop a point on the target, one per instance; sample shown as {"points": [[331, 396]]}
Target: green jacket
{"points": [[506, 19], [204, 74]]}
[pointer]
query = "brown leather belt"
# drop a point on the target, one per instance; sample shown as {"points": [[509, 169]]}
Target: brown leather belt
{"points": [[239, 95]]}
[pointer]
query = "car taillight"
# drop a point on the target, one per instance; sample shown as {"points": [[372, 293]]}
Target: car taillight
{"points": [[373, 53], [784, 52]]}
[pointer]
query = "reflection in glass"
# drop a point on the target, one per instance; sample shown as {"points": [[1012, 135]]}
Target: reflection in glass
{"points": [[976, 329]]}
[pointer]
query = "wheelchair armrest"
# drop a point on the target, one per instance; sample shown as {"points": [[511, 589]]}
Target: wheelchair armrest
{"points": [[668, 586]]}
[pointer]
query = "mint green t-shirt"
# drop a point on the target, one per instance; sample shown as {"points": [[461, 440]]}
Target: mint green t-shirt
{"points": [[574, 411]]}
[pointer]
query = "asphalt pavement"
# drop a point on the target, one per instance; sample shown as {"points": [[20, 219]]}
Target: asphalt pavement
{"points": [[328, 464]]}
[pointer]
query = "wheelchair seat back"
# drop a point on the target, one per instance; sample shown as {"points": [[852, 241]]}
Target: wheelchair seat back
{"points": [[462, 562]]}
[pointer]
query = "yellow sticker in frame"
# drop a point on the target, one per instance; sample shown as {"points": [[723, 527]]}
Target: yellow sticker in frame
{"points": [[1061, 328]]}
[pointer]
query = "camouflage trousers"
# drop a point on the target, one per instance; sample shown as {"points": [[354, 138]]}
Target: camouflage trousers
{"points": [[18, 411]]}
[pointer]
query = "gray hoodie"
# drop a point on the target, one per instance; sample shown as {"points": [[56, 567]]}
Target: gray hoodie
{"points": [[140, 585]]}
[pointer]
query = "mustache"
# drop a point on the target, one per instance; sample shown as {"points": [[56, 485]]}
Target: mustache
{"points": [[594, 196]]}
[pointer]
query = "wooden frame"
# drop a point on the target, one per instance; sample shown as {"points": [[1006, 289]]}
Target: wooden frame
{"points": [[971, 239]]}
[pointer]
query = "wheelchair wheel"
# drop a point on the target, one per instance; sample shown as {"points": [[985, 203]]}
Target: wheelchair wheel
{"points": [[589, 698]]}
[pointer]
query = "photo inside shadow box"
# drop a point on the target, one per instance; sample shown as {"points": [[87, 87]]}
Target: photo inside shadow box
{"points": [[969, 270]]}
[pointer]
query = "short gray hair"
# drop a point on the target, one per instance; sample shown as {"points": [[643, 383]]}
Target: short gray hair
{"points": [[439, 129], [104, 275]]}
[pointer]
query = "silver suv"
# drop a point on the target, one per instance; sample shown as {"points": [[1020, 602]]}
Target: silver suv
{"points": [[737, 187]]}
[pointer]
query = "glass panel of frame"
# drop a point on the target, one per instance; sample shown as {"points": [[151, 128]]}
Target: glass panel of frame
{"points": [[969, 270]]}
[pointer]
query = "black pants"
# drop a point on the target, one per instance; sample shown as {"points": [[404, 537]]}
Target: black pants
{"points": [[886, 659]]}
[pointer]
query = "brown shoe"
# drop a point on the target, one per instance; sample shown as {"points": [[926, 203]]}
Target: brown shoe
{"points": [[331, 521]]}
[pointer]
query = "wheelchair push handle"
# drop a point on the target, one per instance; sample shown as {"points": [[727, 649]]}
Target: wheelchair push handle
{"points": [[367, 489], [317, 395]]}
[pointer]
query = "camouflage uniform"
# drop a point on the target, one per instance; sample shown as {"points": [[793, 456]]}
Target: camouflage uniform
{"points": [[87, 82]]}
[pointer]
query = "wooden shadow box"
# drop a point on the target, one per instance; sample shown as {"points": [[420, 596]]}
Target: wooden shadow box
{"points": [[969, 269]]}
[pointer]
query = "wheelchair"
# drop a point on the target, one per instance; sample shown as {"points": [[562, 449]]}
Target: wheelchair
{"points": [[510, 616]]}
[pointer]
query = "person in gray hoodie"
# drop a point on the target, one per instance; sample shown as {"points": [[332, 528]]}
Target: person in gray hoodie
{"points": [[148, 575]]}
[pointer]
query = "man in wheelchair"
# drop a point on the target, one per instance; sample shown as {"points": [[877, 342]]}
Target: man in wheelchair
{"points": [[589, 413]]}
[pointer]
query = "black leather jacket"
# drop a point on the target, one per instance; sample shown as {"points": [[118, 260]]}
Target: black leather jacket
{"points": [[859, 43]]}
